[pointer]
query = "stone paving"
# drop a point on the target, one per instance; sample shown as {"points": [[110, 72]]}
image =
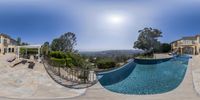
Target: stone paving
{"points": [[22, 82], [196, 73], [187, 90]]}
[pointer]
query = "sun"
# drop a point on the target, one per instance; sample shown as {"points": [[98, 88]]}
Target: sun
{"points": [[115, 19]]}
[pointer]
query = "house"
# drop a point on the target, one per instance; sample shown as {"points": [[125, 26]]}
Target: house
{"points": [[187, 45], [7, 44]]}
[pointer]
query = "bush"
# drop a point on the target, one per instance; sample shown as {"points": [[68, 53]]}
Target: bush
{"points": [[166, 47], [76, 59], [105, 64], [32, 51], [69, 62], [58, 61], [29, 50], [58, 54], [22, 50], [71, 59]]}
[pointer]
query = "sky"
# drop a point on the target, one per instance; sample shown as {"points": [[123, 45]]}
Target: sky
{"points": [[98, 24]]}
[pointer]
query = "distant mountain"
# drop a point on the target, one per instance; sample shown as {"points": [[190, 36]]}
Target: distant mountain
{"points": [[110, 53]]}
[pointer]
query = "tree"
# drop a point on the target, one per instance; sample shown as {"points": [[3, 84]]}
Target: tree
{"points": [[45, 48], [64, 43], [68, 41], [165, 47], [24, 43], [18, 41], [148, 39], [56, 45]]}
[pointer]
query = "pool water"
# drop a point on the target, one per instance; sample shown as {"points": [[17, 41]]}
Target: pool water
{"points": [[144, 79]]}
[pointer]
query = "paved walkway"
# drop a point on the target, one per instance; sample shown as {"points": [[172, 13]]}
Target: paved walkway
{"points": [[196, 73], [22, 82], [185, 91]]}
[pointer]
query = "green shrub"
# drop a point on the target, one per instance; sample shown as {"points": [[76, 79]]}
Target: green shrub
{"points": [[105, 64], [76, 59], [58, 54], [70, 59], [22, 50], [57, 61], [69, 62], [32, 51], [29, 50]]}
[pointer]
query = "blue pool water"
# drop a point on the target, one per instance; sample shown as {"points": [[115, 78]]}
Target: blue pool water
{"points": [[141, 79]]}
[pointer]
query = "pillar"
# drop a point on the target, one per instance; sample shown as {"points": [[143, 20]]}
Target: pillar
{"points": [[181, 49], [18, 49], [197, 49], [193, 50], [26, 53], [39, 60]]}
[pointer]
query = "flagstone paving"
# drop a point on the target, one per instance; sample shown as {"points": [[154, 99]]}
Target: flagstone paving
{"points": [[187, 90], [22, 82]]}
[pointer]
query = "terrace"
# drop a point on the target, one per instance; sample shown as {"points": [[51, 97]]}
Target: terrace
{"points": [[22, 82]]}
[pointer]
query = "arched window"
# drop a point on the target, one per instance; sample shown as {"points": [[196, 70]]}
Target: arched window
{"points": [[13, 50], [9, 49]]}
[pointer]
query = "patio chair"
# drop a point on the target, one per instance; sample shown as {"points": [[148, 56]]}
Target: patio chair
{"points": [[11, 59], [31, 65], [18, 62]]}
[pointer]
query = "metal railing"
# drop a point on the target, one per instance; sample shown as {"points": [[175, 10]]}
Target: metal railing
{"points": [[69, 77], [188, 43]]}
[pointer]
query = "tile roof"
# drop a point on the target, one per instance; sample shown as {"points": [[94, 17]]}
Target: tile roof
{"points": [[7, 36], [189, 38]]}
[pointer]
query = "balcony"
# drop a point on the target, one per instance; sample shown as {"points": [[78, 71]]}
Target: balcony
{"points": [[188, 42]]}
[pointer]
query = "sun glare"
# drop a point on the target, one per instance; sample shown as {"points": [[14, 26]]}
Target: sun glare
{"points": [[115, 19]]}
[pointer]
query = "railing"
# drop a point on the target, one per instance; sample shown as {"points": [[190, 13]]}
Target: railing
{"points": [[188, 43], [69, 77]]}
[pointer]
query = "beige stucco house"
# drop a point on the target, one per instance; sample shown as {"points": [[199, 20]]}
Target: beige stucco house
{"points": [[7, 44], [187, 45]]}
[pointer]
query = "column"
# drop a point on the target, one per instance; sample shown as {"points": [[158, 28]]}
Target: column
{"points": [[197, 49], [26, 53], [39, 55], [18, 49], [193, 50], [181, 50]]}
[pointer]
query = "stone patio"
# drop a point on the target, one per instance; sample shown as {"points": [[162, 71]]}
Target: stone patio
{"points": [[44, 87], [22, 82]]}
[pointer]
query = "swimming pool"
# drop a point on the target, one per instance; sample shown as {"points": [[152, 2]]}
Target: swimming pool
{"points": [[141, 79]]}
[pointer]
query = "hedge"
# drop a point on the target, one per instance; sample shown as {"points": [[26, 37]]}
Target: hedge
{"points": [[58, 54], [58, 61], [106, 64]]}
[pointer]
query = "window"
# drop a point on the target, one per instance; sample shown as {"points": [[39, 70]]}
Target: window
{"points": [[9, 49], [188, 41], [5, 41], [13, 50], [199, 39]]}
